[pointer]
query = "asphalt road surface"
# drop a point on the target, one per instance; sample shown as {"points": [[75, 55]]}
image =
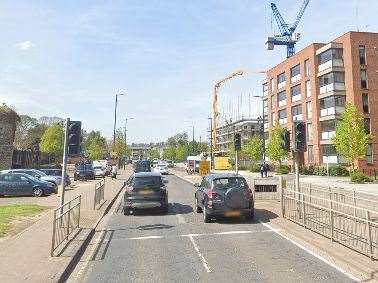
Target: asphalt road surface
{"points": [[179, 247]]}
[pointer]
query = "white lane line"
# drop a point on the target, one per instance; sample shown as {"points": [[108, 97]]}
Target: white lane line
{"points": [[146, 238], [312, 252], [202, 258]]}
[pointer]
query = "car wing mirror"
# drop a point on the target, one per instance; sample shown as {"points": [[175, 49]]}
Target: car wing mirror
{"points": [[165, 182], [196, 185]]}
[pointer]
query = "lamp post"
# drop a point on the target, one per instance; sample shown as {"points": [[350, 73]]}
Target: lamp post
{"points": [[127, 118], [115, 116], [211, 144], [263, 124]]}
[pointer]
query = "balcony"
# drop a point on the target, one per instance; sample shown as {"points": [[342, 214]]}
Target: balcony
{"points": [[333, 64], [328, 135], [296, 78], [281, 85], [282, 103], [331, 88], [282, 121], [298, 117], [331, 111], [296, 98]]}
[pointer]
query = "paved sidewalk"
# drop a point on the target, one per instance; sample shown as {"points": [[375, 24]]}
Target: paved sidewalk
{"points": [[27, 254], [352, 262]]}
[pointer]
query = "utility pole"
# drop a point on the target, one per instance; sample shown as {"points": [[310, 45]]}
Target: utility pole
{"points": [[64, 169], [115, 117], [263, 125], [211, 144]]}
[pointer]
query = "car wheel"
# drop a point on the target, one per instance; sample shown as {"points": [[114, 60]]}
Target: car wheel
{"points": [[196, 207], [206, 216], [126, 211], [37, 192]]}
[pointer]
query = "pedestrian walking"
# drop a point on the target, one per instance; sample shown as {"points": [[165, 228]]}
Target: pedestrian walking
{"points": [[266, 169], [262, 170], [114, 172]]}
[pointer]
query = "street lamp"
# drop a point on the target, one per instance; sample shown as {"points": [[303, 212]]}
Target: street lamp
{"points": [[211, 143], [127, 118], [263, 124], [115, 116]]}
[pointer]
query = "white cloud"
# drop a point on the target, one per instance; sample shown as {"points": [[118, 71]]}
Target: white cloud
{"points": [[25, 45]]}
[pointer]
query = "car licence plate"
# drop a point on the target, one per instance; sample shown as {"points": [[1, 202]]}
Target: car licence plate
{"points": [[145, 192], [232, 214]]}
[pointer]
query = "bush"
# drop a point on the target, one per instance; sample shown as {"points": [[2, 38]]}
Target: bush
{"points": [[359, 177], [320, 171], [337, 170], [283, 170], [307, 170], [255, 167]]}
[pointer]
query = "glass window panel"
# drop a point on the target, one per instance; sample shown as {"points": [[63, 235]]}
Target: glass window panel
{"points": [[281, 78], [296, 70], [296, 90]]}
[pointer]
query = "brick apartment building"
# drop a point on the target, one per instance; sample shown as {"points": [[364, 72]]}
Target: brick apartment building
{"points": [[315, 84]]}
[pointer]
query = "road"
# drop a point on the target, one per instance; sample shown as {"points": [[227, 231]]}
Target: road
{"points": [[179, 247]]}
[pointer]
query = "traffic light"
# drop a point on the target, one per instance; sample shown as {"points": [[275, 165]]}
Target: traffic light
{"points": [[74, 137], [286, 140], [237, 142], [300, 144]]}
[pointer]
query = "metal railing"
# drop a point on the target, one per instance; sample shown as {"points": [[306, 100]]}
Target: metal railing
{"points": [[66, 221], [354, 227], [99, 193]]}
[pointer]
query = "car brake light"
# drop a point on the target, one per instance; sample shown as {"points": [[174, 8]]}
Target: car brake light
{"points": [[210, 194], [129, 189]]}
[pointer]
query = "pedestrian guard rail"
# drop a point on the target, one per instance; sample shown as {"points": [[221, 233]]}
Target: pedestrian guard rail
{"points": [[99, 193], [340, 217], [66, 221]]}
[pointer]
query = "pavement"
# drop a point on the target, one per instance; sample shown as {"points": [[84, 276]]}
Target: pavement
{"points": [[27, 254], [180, 247]]}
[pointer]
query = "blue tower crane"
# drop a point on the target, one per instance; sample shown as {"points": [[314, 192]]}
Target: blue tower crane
{"points": [[287, 34]]}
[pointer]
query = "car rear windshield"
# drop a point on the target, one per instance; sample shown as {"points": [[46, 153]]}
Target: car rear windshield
{"points": [[226, 183], [150, 181]]}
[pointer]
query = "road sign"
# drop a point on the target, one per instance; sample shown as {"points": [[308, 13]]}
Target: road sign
{"points": [[204, 168]]}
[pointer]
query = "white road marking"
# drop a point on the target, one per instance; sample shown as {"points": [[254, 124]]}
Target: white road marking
{"points": [[146, 238], [202, 258], [311, 252]]}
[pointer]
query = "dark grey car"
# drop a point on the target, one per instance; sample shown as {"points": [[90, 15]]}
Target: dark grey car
{"points": [[224, 195], [17, 184]]}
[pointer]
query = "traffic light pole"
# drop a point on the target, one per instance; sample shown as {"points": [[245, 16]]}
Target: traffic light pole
{"points": [[64, 169], [296, 168], [236, 162]]}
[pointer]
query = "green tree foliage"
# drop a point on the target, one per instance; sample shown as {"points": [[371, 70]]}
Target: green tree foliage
{"points": [[28, 132], [95, 145], [153, 154], [253, 149], [52, 140], [180, 153], [170, 153], [120, 148], [274, 151], [351, 139]]}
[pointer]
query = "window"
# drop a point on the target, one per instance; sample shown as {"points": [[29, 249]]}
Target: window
{"points": [[281, 78], [328, 150], [296, 93], [282, 114], [362, 54], [328, 126], [310, 152], [296, 110], [281, 98], [367, 125], [334, 77], [309, 109], [307, 67], [365, 103], [330, 54], [363, 79], [308, 89], [296, 70], [272, 85], [332, 101], [369, 154], [309, 132]]}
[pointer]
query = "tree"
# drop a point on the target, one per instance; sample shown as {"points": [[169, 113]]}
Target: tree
{"points": [[95, 145], [180, 153], [52, 140], [153, 154], [351, 139], [23, 140], [170, 153], [120, 148], [253, 149], [275, 151]]}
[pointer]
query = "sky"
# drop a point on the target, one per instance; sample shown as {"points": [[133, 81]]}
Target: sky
{"points": [[69, 58]]}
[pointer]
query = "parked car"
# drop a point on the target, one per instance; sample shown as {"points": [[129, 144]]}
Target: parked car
{"points": [[170, 163], [162, 169], [145, 190], [142, 166], [36, 174], [223, 195], [99, 172], [84, 172], [19, 184], [57, 173]]}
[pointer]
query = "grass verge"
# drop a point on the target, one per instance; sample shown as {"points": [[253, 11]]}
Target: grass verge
{"points": [[8, 213]]}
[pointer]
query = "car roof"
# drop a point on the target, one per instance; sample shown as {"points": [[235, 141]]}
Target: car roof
{"points": [[147, 174], [214, 176]]}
